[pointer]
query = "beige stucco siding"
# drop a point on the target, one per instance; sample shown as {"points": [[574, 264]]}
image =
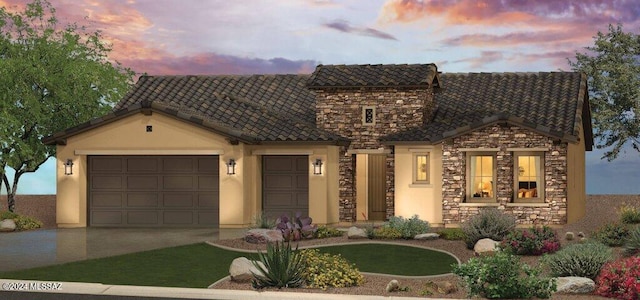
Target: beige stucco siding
{"points": [[240, 194], [425, 200], [576, 183]]}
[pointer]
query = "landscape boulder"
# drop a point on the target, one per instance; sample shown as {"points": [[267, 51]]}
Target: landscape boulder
{"points": [[575, 285], [427, 236], [356, 233], [392, 286], [242, 269], [486, 246], [7, 225], [263, 236]]}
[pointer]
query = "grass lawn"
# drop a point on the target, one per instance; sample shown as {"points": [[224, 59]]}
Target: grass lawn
{"points": [[199, 265]]}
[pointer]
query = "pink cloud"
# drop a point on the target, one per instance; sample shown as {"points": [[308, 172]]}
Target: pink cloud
{"points": [[344, 26], [486, 57]]}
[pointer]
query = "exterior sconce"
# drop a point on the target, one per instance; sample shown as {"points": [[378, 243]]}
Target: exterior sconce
{"points": [[68, 167], [231, 167], [317, 167]]}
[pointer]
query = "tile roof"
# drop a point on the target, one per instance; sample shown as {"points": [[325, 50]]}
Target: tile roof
{"points": [[547, 102], [353, 76], [252, 109]]}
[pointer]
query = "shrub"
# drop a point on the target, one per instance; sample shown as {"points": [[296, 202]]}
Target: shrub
{"points": [[388, 233], [532, 241], [502, 275], [452, 234], [408, 228], [283, 267], [263, 221], [26, 223], [327, 270], [620, 279], [327, 232], [582, 260], [629, 214], [632, 245], [612, 234], [296, 229], [5, 214], [488, 223]]}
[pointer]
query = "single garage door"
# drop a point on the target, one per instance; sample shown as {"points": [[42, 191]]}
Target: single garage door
{"points": [[150, 191], [285, 185]]}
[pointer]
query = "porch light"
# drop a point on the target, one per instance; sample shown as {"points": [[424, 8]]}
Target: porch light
{"points": [[231, 167], [317, 167], [68, 167]]}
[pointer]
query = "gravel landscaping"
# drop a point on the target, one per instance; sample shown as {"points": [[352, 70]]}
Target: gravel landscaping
{"points": [[600, 209]]}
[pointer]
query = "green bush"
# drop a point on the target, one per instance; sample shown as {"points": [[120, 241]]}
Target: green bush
{"points": [[488, 223], [263, 221], [325, 270], [612, 234], [532, 241], [327, 232], [632, 244], [26, 223], [629, 214], [452, 234], [502, 275], [387, 233], [582, 260], [408, 228], [283, 267], [5, 214]]}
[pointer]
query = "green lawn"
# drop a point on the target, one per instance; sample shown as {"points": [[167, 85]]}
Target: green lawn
{"points": [[200, 265]]}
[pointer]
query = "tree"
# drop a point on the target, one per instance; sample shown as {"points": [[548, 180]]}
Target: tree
{"points": [[51, 78], [613, 69]]}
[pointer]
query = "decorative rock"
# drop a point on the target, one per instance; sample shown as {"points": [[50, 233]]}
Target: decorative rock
{"points": [[569, 236], [575, 285], [7, 225], [393, 286], [242, 269], [356, 233], [263, 236], [427, 236], [446, 287], [485, 246], [581, 234]]}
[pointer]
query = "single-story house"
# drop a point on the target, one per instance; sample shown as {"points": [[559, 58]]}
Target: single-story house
{"points": [[346, 143]]}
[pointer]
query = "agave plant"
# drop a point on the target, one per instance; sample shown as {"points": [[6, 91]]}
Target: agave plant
{"points": [[281, 267]]}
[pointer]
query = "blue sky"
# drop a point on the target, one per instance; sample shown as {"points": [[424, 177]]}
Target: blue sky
{"points": [[161, 37]]}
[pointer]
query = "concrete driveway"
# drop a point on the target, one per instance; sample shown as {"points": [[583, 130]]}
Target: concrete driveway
{"points": [[29, 249]]}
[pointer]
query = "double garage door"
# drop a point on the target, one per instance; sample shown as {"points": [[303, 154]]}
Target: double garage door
{"points": [[152, 191]]}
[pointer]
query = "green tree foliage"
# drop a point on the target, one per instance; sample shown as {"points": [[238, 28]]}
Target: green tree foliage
{"points": [[51, 77], [613, 68]]}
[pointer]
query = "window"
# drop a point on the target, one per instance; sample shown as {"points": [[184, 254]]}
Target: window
{"points": [[421, 168], [481, 168], [528, 173], [368, 115]]}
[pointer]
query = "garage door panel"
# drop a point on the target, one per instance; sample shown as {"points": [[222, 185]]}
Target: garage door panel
{"points": [[106, 199], [178, 165], [278, 181], [106, 165], [178, 217], [275, 199], [142, 182], [276, 164], [142, 217], [153, 191], [106, 182], [142, 165], [142, 200], [302, 200], [111, 218], [178, 182], [178, 200], [285, 188], [302, 164], [302, 182]]}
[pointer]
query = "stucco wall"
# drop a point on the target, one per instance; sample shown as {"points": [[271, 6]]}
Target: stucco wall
{"points": [[340, 111], [503, 137]]}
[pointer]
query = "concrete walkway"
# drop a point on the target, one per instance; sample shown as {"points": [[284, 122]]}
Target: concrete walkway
{"points": [[36, 248]]}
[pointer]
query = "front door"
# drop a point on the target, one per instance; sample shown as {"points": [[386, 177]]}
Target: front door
{"points": [[377, 187]]}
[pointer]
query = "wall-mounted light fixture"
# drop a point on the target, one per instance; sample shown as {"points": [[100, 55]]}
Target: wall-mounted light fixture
{"points": [[68, 167], [317, 167], [231, 167]]}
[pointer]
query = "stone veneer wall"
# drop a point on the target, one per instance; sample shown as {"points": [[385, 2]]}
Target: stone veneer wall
{"points": [[340, 111], [554, 209]]}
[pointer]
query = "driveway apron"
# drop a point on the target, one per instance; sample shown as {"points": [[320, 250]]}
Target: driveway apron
{"points": [[30, 249]]}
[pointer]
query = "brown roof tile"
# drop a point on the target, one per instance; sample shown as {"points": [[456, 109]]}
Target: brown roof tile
{"points": [[350, 76]]}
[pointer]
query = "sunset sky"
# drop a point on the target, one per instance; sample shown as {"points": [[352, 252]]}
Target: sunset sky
{"points": [[161, 37]]}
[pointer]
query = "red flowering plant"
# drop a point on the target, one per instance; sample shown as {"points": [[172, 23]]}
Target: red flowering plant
{"points": [[620, 279], [532, 241]]}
